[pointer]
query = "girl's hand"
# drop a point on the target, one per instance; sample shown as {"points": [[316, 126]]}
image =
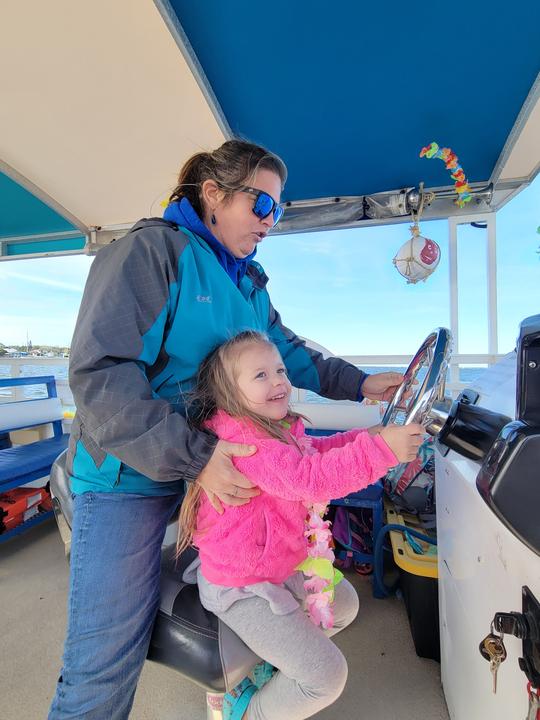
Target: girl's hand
{"points": [[221, 480], [403, 440], [381, 386]]}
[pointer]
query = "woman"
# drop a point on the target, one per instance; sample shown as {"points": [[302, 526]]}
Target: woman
{"points": [[157, 301]]}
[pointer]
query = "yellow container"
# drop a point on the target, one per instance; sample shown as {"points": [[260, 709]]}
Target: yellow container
{"points": [[404, 556], [419, 584]]}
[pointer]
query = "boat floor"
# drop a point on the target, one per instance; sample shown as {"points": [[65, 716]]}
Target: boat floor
{"points": [[387, 681]]}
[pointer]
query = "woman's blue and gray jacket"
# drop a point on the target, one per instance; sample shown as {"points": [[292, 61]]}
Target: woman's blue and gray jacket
{"points": [[157, 301]]}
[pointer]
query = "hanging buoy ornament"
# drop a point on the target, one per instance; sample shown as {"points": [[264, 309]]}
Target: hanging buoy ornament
{"points": [[417, 258]]}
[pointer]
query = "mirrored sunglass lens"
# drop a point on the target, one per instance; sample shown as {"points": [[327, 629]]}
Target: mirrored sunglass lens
{"points": [[278, 212], [263, 205]]}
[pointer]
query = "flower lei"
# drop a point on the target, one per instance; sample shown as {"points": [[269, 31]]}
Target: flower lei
{"points": [[318, 567], [322, 576]]}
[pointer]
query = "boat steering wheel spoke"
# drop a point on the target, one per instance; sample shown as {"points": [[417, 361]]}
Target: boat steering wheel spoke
{"points": [[433, 356]]}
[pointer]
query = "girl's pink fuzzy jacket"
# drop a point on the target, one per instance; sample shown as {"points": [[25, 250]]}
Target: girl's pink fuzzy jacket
{"points": [[263, 540]]}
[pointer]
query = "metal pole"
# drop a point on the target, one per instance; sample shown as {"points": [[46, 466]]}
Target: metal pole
{"points": [[454, 299], [493, 342]]}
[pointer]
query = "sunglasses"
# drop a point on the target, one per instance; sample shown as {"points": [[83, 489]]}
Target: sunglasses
{"points": [[264, 205]]}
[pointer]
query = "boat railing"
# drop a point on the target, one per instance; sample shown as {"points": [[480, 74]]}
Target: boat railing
{"points": [[455, 383], [58, 366], [30, 365]]}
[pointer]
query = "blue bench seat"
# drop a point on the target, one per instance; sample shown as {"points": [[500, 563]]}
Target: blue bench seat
{"points": [[24, 463]]}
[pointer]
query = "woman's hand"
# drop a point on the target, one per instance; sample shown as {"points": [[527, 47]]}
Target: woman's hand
{"points": [[381, 386], [403, 440], [221, 480]]}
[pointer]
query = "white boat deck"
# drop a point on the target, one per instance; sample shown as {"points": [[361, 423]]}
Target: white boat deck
{"points": [[387, 681]]}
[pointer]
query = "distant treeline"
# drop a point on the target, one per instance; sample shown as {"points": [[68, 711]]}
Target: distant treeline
{"points": [[57, 350]]}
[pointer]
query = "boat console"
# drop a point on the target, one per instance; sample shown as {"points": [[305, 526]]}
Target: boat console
{"points": [[488, 520], [508, 479], [488, 493]]}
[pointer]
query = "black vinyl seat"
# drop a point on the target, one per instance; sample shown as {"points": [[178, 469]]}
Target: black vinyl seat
{"points": [[186, 637]]}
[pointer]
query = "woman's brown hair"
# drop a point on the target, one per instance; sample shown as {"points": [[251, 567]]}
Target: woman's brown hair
{"points": [[217, 389], [232, 167]]}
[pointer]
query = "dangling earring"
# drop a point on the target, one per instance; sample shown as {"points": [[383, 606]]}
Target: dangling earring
{"points": [[213, 219]]}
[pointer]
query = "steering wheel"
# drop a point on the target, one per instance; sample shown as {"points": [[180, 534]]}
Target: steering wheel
{"points": [[434, 354]]}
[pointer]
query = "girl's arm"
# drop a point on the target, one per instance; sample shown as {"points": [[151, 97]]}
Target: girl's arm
{"points": [[322, 443], [280, 469]]}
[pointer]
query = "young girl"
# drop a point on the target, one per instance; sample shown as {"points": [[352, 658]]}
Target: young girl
{"points": [[249, 555]]}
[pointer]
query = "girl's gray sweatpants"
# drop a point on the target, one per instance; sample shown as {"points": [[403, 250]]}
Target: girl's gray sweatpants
{"points": [[312, 671]]}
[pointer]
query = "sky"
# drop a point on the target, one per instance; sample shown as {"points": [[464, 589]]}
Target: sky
{"points": [[339, 288]]}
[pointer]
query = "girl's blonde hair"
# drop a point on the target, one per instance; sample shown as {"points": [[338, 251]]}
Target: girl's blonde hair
{"points": [[217, 389]]}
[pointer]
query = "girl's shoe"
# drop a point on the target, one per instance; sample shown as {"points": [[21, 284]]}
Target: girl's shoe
{"points": [[262, 673], [235, 703]]}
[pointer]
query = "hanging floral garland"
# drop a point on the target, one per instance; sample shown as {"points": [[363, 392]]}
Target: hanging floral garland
{"points": [[450, 159]]}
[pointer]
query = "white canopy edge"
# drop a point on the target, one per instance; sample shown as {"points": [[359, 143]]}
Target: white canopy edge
{"points": [[99, 107], [520, 157]]}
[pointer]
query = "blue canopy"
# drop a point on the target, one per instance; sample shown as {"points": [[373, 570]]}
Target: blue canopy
{"points": [[347, 93], [23, 215]]}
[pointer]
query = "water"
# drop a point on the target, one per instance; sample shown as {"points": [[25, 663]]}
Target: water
{"points": [[467, 375]]}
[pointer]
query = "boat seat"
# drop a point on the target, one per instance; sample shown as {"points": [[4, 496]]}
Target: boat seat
{"points": [[186, 637], [30, 461], [23, 463]]}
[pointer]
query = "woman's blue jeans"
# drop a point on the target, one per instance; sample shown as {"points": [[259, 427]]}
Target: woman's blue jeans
{"points": [[113, 601]]}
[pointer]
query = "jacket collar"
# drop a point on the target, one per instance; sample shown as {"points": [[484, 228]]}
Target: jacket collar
{"points": [[182, 214]]}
